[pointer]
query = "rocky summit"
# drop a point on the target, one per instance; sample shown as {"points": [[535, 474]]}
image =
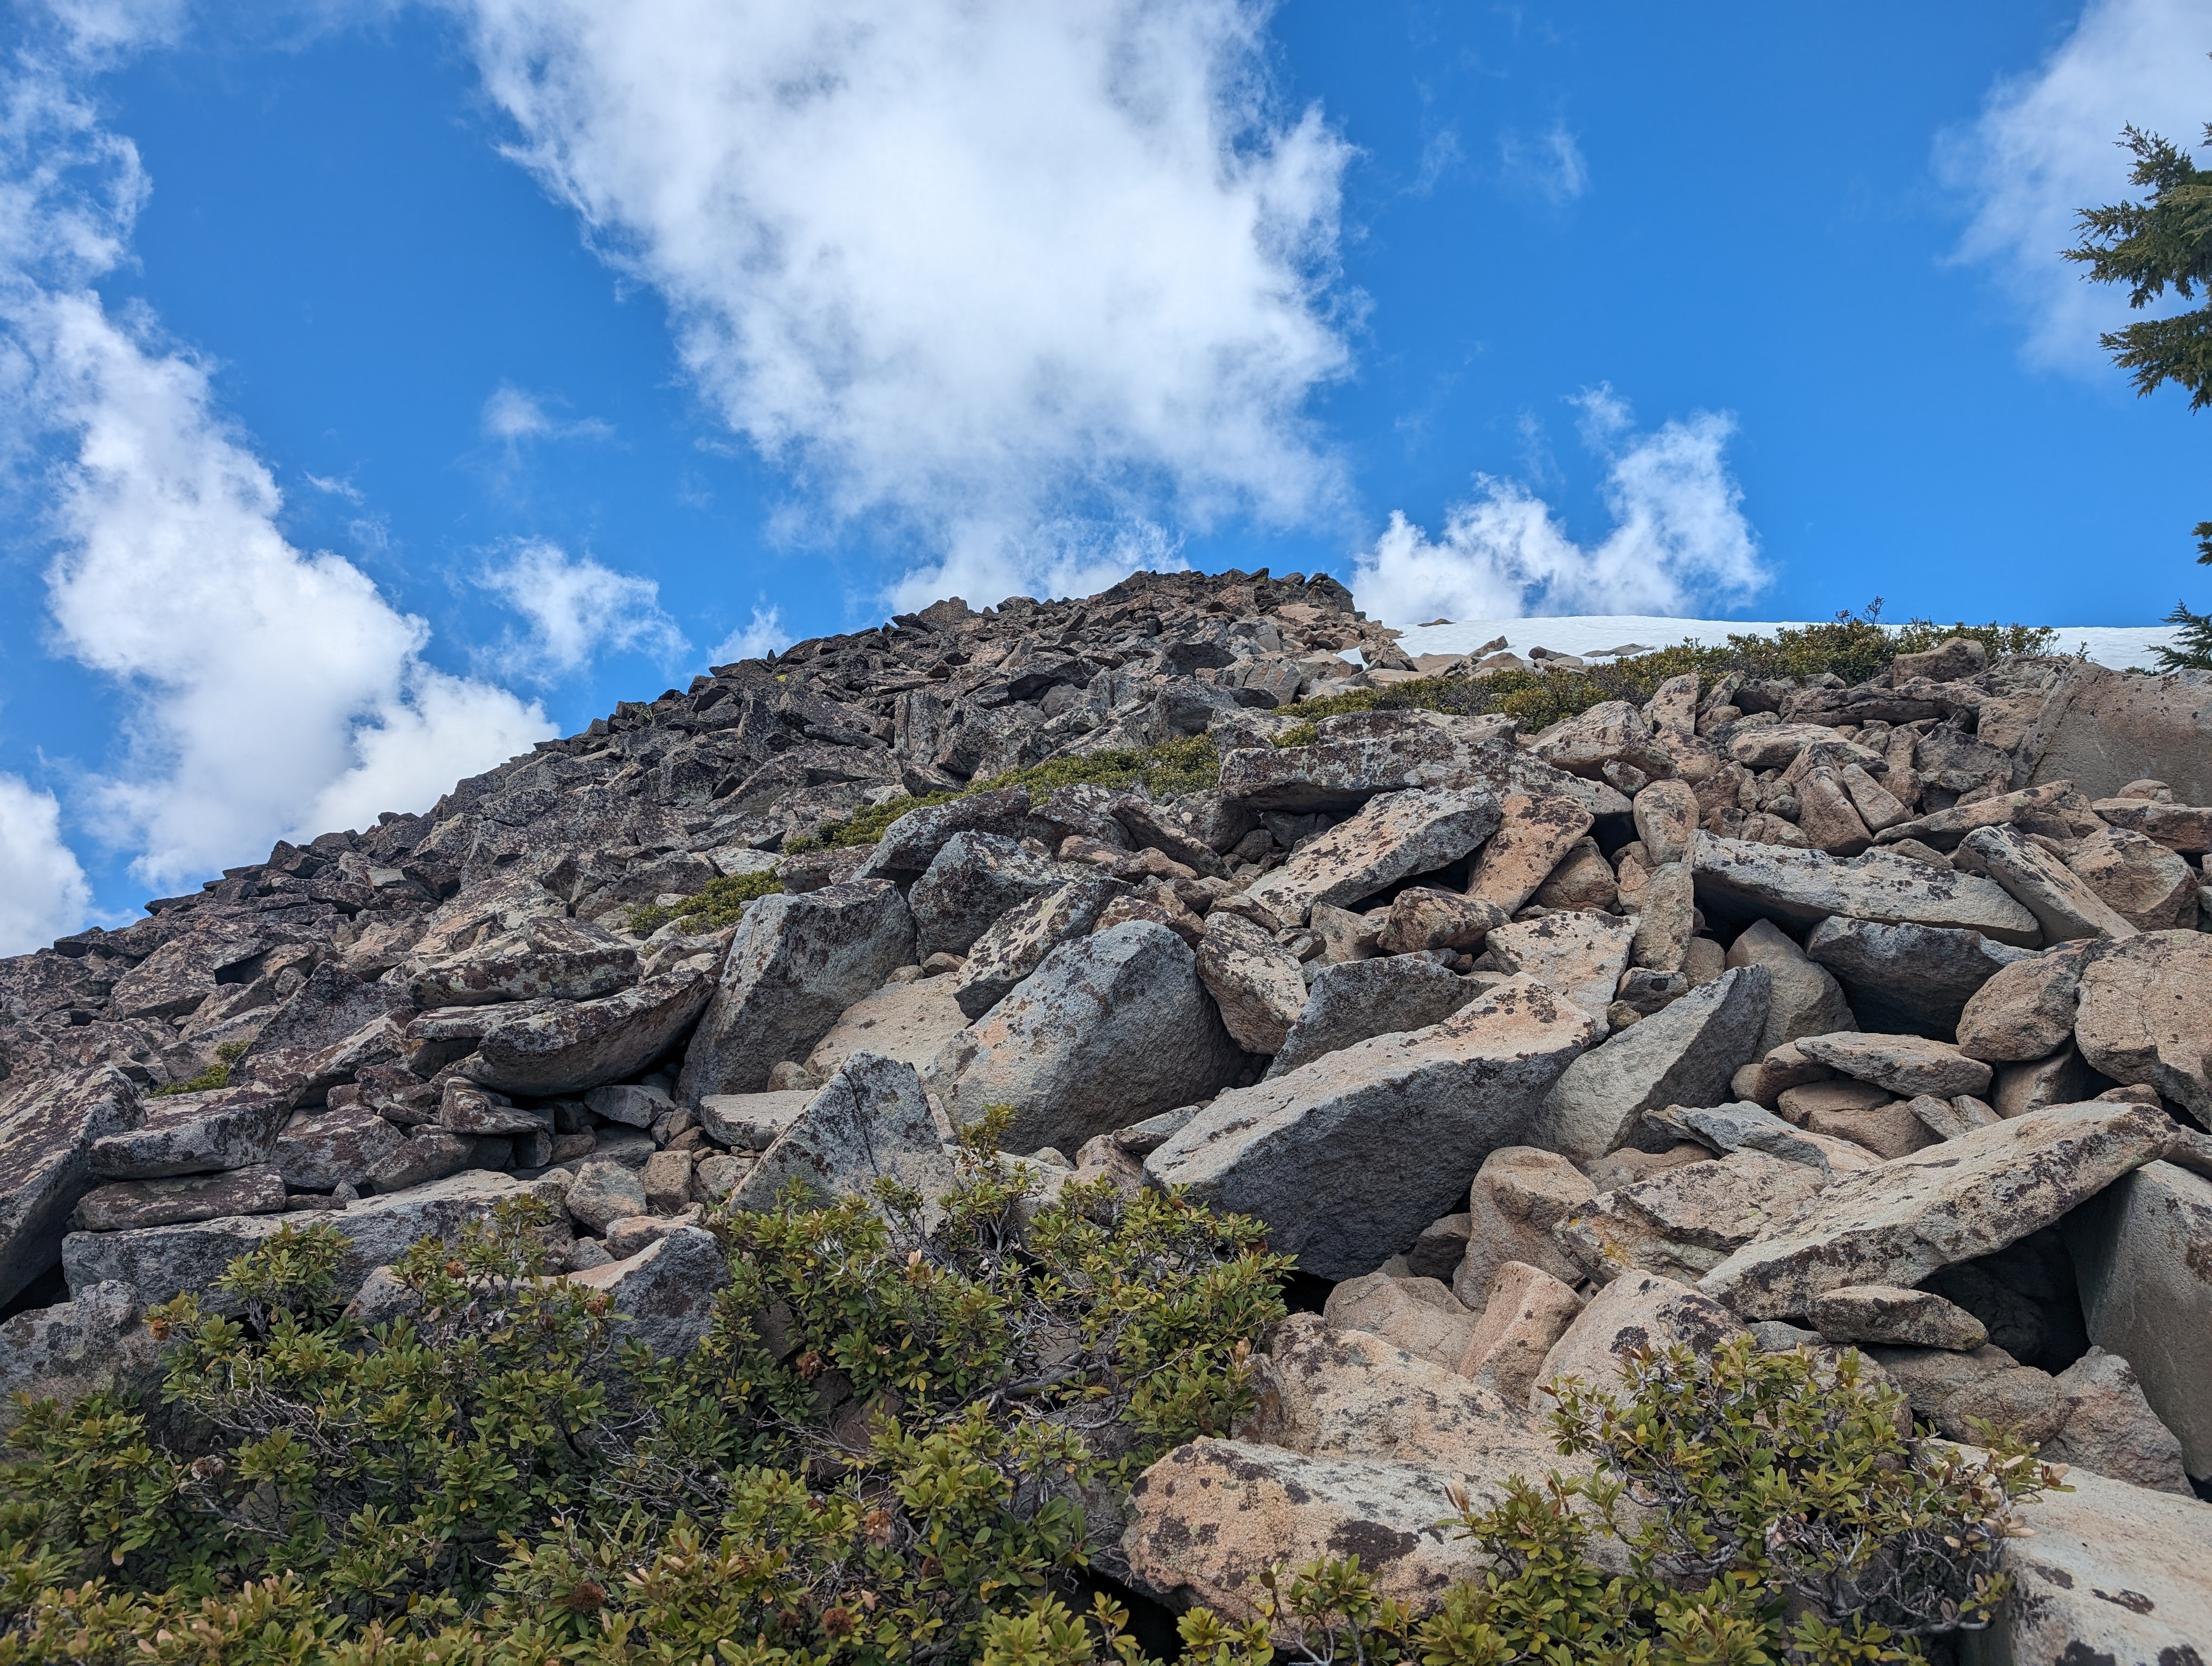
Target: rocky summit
{"points": [[1870, 1014]]}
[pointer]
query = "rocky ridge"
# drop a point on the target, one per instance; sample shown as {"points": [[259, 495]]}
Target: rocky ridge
{"points": [[1873, 1015]]}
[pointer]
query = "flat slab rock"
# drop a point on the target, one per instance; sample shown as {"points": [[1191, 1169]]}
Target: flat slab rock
{"points": [[1901, 1222], [1396, 836], [1353, 1000], [1341, 1158], [1805, 887], [909, 1022]]}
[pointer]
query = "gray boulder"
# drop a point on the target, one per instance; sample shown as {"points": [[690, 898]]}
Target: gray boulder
{"points": [[1906, 977], [1803, 998], [1364, 753], [1635, 1311], [750, 1122], [1735, 880], [1395, 837], [1683, 1055], [47, 1129], [871, 1122], [1109, 1030], [1016, 943], [1515, 1206], [549, 957], [229, 1127], [1352, 999], [2059, 899], [632, 1104], [605, 1192], [92, 1344], [1534, 836], [2111, 1427], [2146, 1014], [433, 1153], [974, 878], [1340, 1157], [126, 1204], [1580, 955], [1905, 1065], [664, 1295], [1255, 981], [910, 844], [909, 1022], [566, 1047], [794, 965], [320, 1151]]}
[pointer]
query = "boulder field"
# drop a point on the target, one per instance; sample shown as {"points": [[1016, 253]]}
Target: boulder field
{"points": [[1875, 1016]]}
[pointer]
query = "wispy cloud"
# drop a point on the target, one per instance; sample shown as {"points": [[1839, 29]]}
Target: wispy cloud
{"points": [[758, 637], [512, 416], [1679, 532], [2045, 147], [1549, 163], [577, 609], [975, 266]]}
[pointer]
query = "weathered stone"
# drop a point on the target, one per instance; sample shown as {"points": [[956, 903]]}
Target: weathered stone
{"points": [[1374, 1118], [1766, 1080], [664, 1294], [1422, 918], [2065, 907], [1420, 1316], [2021, 1402], [871, 1122], [1666, 816], [2101, 729], [329, 1027], [2061, 1079], [910, 844], [1684, 1221], [1110, 1028], [565, 1047], [1804, 887], [320, 1151], [633, 1104], [1907, 978], [1902, 1222], [429, 1154], [1877, 806], [1580, 955], [1526, 1313], [1255, 981], [2146, 1015], [666, 1177], [161, 1262], [2183, 828], [125, 1204], [1016, 943], [1635, 1311], [1364, 753], [1742, 1126], [180, 974], [1612, 731], [1519, 1197], [1891, 1128], [909, 1022], [1665, 920], [2140, 1253], [93, 1344], [1905, 1065], [465, 1107], [2145, 884], [795, 964], [549, 958], [1826, 816], [1802, 998], [1884, 1313], [1953, 1118], [1951, 661], [1351, 1001], [604, 1193], [1583, 880], [47, 1130], [2110, 1427], [1928, 1377], [975, 878], [231, 1128], [1395, 836], [1778, 747], [750, 1122], [2027, 1011], [1685, 1055], [1533, 834], [1440, 1247]]}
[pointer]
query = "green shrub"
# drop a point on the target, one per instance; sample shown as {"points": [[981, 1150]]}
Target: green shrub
{"points": [[717, 903], [1189, 765], [215, 1076]]}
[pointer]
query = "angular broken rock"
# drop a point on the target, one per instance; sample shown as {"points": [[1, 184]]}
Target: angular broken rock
{"points": [[1803, 998], [2027, 1011], [871, 1122], [1395, 836], [1667, 814], [1910, 978], [1526, 1313], [750, 1122], [566, 1047], [2146, 1015], [1905, 1065], [1580, 955], [230, 1128], [1420, 1316], [2140, 1256], [1637, 1311], [1742, 1126], [1891, 1128], [1354, 999], [630, 1104], [1364, 753], [1016, 943], [1534, 836], [1739, 880], [320, 1151], [161, 1262], [1665, 919], [1423, 918], [47, 1128], [550, 958], [2184, 829], [1900, 1223], [2063, 905], [664, 1295], [794, 965], [1612, 731], [433, 1153], [1255, 981], [1519, 1197], [1110, 1028], [1374, 1118], [604, 1193], [2110, 1427], [464, 1107], [1951, 1119], [1683, 1222], [975, 878], [1683, 1054], [909, 1022], [126, 1204], [911, 843], [2145, 884], [1884, 1313], [92, 1344]]}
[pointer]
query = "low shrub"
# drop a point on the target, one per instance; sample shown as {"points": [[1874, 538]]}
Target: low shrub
{"points": [[717, 903], [215, 1076]]}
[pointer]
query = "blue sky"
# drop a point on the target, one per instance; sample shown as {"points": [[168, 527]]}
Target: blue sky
{"points": [[389, 386]]}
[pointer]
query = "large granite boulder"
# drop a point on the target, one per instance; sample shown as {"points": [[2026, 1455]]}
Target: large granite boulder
{"points": [[1735, 880], [1905, 978], [47, 1129], [567, 1047], [1395, 836]]}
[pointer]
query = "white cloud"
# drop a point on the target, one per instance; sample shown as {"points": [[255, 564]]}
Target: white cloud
{"points": [[978, 264], [513, 416], [1551, 163], [762, 635], [43, 893], [577, 609], [265, 687], [1679, 533], [2045, 147]]}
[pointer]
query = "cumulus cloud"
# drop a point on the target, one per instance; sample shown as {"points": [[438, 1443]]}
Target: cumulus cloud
{"points": [[1679, 532], [43, 893], [2045, 147], [577, 609], [977, 264], [1550, 163], [758, 637], [267, 689]]}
